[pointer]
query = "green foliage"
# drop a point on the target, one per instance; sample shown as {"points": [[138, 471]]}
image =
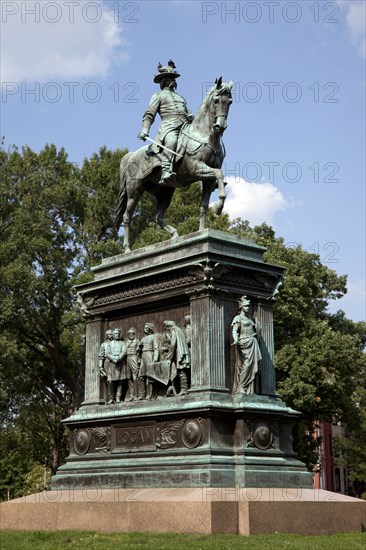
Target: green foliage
{"points": [[38, 249], [99, 180], [36, 480], [56, 220], [352, 449], [25, 453], [14, 463], [308, 285], [31, 435], [317, 374]]}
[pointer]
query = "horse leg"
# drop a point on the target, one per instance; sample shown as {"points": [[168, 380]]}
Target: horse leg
{"points": [[219, 204], [130, 208], [203, 173], [164, 200], [207, 188], [126, 235]]}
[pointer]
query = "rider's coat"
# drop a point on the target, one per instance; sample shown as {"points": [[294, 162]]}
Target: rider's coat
{"points": [[173, 111]]}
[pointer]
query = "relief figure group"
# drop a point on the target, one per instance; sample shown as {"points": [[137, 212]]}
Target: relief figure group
{"points": [[139, 367], [159, 363]]}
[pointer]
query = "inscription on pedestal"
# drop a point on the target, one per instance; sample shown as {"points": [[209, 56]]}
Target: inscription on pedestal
{"points": [[134, 438]]}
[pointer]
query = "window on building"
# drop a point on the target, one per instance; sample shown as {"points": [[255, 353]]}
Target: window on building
{"points": [[337, 480]]}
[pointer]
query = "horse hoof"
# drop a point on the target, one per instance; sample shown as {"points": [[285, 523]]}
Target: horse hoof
{"points": [[217, 209]]}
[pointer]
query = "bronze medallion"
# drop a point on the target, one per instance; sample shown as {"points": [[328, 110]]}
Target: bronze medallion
{"points": [[262, 435], [192, 434], [82, 441]]}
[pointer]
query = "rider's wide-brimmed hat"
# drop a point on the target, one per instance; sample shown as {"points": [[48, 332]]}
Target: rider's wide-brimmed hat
{"points": [[169, 70]]}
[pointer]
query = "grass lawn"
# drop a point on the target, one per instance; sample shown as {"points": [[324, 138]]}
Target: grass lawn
{"points": [[80, 540]]}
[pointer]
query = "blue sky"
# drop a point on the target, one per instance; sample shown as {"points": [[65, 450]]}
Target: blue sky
{"points": [[80, 74]]}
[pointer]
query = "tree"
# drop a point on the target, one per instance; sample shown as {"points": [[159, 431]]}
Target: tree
{"points": [[352, 449], [99, 180], [38, 248], [55, 222], [26, 443], [14, 463]]}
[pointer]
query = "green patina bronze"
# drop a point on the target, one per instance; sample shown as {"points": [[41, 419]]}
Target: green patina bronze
{"points": [[187, 149], [204, 432]]}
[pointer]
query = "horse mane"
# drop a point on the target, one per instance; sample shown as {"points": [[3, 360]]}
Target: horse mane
{"points": [[224, 88]]}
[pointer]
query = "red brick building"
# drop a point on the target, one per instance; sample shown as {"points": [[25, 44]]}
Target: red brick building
{"points": [[329, 474]]}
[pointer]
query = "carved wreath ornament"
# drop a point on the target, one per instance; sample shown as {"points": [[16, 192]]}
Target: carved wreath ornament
{"points": [[168, 432]]}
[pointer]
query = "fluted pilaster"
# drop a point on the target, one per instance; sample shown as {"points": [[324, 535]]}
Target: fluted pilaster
{"points": [[210, 343], [264, 316], [94, 337]]}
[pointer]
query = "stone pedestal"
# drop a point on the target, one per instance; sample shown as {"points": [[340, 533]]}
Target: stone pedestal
{"points": [[208, 437], [205, 510]]}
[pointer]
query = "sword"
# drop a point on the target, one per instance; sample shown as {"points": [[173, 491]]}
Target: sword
{"points": [[163, 147]]}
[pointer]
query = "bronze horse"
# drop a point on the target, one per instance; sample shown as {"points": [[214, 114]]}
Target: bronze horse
{"points": [[200, 157]]}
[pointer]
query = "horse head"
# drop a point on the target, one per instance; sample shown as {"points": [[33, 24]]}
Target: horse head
{"points": [[221, 101]]}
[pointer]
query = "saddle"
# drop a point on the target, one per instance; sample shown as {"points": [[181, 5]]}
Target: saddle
{"points": [[153, 155]]}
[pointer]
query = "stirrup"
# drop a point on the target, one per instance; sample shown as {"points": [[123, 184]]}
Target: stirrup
{"points": [[167, 178]]}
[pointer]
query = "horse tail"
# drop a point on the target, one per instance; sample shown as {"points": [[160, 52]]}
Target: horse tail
{"points": [[122, 195]]}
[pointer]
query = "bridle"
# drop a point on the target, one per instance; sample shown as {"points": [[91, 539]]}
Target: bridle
{"points": [[214, 116]]}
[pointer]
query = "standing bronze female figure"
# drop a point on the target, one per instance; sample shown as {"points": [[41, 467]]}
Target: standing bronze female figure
{"points": [[245, 338]]}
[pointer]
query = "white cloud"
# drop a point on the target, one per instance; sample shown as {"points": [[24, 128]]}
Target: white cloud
{"points": [[255, 202], [42, 41], [356, 23], [358, 289], [353, 303]]}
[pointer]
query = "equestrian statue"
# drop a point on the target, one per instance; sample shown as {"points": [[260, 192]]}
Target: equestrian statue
{"points": [[187, 149]]}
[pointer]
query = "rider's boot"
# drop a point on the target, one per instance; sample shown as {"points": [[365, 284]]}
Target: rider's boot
{"points": [[167, 177], [167, 174]]}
